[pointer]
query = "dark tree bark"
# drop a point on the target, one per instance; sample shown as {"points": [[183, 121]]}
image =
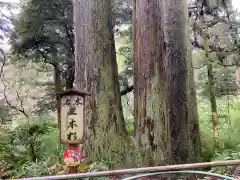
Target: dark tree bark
{"points": [[181, 96], [57, 81], [150, 83], [96, 72], [70, 74]]}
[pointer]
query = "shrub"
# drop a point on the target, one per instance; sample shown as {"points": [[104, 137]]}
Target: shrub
{"points": [[31, 148]]}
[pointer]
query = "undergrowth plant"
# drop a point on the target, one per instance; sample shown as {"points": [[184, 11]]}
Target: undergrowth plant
{"points": [[31, 148], [229, 132]]}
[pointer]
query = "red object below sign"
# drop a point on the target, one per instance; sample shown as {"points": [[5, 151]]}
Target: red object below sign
{"points": [[72, 156]]}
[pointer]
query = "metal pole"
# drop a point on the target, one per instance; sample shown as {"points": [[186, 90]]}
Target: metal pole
{"points": [[138, 170], [181, 172]]}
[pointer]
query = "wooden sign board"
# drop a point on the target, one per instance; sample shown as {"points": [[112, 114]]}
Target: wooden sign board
{"points": [[72, 116]]}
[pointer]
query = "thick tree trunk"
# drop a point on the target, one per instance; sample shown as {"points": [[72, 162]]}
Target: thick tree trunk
{"points": [[150, 83], [181, 113], [96, 71]]}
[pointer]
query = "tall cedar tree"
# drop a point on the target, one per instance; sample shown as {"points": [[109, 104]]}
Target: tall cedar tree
{"points": [[185, 137], [150, 83], [97, 73]]}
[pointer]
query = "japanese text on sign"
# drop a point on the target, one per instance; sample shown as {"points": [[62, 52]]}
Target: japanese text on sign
{"points": [[78, 101], [72, 112]]}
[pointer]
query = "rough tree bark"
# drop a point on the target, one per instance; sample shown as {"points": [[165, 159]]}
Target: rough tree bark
{"points": [[181, 113], [96, 71], [150, 83]]}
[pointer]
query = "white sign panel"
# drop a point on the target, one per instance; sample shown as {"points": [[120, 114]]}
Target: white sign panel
{"points": [[72, 119]]}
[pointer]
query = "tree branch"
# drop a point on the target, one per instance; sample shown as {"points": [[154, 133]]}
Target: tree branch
{"points": [[4, 81], [225, 65], [126, 90], [70, 38], [200, 66]]}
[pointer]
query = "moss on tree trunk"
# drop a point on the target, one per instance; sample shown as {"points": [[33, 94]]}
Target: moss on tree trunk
{"points": [[182, 105], [96, 71], [150, 82]]}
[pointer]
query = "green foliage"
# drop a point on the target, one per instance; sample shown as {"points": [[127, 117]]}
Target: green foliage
{"points": [[17, 155], [43, 24], [224, 81], [126, 52], [31, 148], [5, 116], [224, 77], [43, 33], [98, 166], [228, 119]]}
